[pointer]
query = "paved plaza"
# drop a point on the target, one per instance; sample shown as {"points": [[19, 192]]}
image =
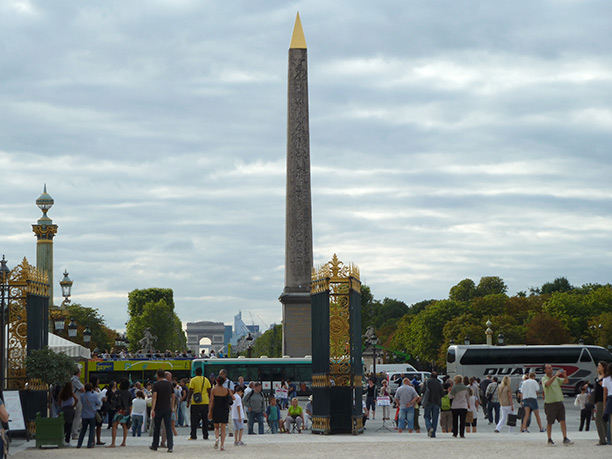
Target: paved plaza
{"points": [[381, 443]]}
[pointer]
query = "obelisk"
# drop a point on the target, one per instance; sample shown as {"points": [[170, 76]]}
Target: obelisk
{"points": [[298, 212]]}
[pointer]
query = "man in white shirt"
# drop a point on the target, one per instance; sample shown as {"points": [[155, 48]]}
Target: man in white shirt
{"points": [[529, 390]]}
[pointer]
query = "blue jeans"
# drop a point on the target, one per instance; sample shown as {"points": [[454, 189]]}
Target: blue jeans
{"points": [[432, 414], [406, 418], [137, 420], [259, 417], [493, 406], [273, 426], [166, 416], [91, 423]]}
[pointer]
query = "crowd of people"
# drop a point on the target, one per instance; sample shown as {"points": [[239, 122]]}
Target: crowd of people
{"points": [[122, 354], [454, 404], [207, 403]]}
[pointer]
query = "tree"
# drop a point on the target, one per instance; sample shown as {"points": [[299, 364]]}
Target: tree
{"points": [[49, 366], [463, 291], [390, 310], [101, 335], [367, 308], [138, 298], [560, 284], [491, 285], [545, 329], [270, 343], [158, 315]]}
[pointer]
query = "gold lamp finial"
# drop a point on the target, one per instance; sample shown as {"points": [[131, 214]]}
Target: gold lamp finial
{"points": [[297, 39]]}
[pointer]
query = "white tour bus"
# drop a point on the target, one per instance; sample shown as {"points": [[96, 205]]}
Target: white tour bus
{"points": [[480, 360]]}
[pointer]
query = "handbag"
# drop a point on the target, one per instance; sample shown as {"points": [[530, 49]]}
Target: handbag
{"points": [[469, 417], [197, 396], [511, 421], [520, 413], [229, 398]]}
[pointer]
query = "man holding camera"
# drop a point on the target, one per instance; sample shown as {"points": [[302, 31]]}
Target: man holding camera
{"points": [[553, 402]]}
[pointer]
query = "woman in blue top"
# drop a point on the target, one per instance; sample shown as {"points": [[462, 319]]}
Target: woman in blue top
{"points": [[91, 403]]}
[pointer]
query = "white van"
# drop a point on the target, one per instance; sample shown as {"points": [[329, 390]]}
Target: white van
{"points": [[392, 367], [394, 378]]}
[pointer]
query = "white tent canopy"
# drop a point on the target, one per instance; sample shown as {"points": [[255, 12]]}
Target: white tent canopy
{"points": [[59, 344]]}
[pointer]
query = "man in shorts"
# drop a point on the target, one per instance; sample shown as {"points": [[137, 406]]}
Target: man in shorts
{"points": [[553, 402]]}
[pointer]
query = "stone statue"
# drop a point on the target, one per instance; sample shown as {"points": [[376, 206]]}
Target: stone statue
{"points": [[146, 343]]}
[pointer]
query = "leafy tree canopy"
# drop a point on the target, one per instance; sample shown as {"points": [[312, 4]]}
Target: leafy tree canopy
{"points": [[85, 317], [270, 343], [49, 366], [159, 316]]}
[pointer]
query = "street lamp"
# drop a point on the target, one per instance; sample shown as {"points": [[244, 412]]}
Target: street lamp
{"points": [[466, 340], [59, 324], [72, 329], [66, 284], [4, 275], [374, 342], [249, 340], [500, 339], [581, 341], [87, 336]]}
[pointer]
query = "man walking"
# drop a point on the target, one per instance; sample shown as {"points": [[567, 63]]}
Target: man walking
{"points": [[493, 401], [406, 398], [255, 404], [484, 384], [553, 402], [432, 399], [198, 398], [78, 389], [529, 394], [161, 409]]}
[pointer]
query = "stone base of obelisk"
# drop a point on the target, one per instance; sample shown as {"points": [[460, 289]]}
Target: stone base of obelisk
{"points": [[297, 336]]}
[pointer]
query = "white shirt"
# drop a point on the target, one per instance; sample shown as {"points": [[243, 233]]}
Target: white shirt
{"points": [[607, 383], [237, 408], [139, 407], [530, 388]]}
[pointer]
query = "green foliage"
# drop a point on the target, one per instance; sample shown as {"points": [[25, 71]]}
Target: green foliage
{"points": [[90, 318], [159, 316], [137, 299], [49, 366], [545, 329], [270, 343], [555, 314], [491, 285], [560, 284], [463, 291]]}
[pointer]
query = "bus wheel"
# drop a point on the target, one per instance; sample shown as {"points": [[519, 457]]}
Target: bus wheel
{"points": [[578, 388]]}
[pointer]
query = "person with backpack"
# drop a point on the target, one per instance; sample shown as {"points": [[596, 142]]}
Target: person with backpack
{"points": [[446, 415], [432, 399]]}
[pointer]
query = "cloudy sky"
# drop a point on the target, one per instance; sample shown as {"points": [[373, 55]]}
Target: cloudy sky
{"points": [[448, 140]]}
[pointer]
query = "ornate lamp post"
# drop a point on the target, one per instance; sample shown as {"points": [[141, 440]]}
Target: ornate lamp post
{"points": [[87, 336], [249, 340], [66, 284], [72, 329], [4, 292], [374, 342], [500, 339], [466, 340]]}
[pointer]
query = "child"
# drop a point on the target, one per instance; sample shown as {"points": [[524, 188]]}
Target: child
{"points": [[238, 416], [273, 415], [139, 411]]}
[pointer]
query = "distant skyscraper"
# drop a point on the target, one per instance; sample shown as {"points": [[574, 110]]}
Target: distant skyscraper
{"points": [[298, 218]]}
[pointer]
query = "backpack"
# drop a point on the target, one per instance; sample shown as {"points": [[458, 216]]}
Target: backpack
{"points": [[446, 403]]}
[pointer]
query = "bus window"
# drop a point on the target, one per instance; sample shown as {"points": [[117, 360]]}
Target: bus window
{"points": [[450, 356], [600, 355], [585, 357]]}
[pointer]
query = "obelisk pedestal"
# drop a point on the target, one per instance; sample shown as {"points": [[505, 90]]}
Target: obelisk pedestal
{"points": [[298, 213]]}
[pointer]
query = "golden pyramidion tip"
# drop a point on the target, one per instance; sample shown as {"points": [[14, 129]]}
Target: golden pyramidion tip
{"points": [[297, 39]]}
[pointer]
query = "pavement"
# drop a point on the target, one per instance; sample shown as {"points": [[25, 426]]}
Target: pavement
{"points": [[484, 443]]}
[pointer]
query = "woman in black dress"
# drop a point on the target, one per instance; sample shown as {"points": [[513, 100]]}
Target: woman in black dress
{"points": [[218, 410]]}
